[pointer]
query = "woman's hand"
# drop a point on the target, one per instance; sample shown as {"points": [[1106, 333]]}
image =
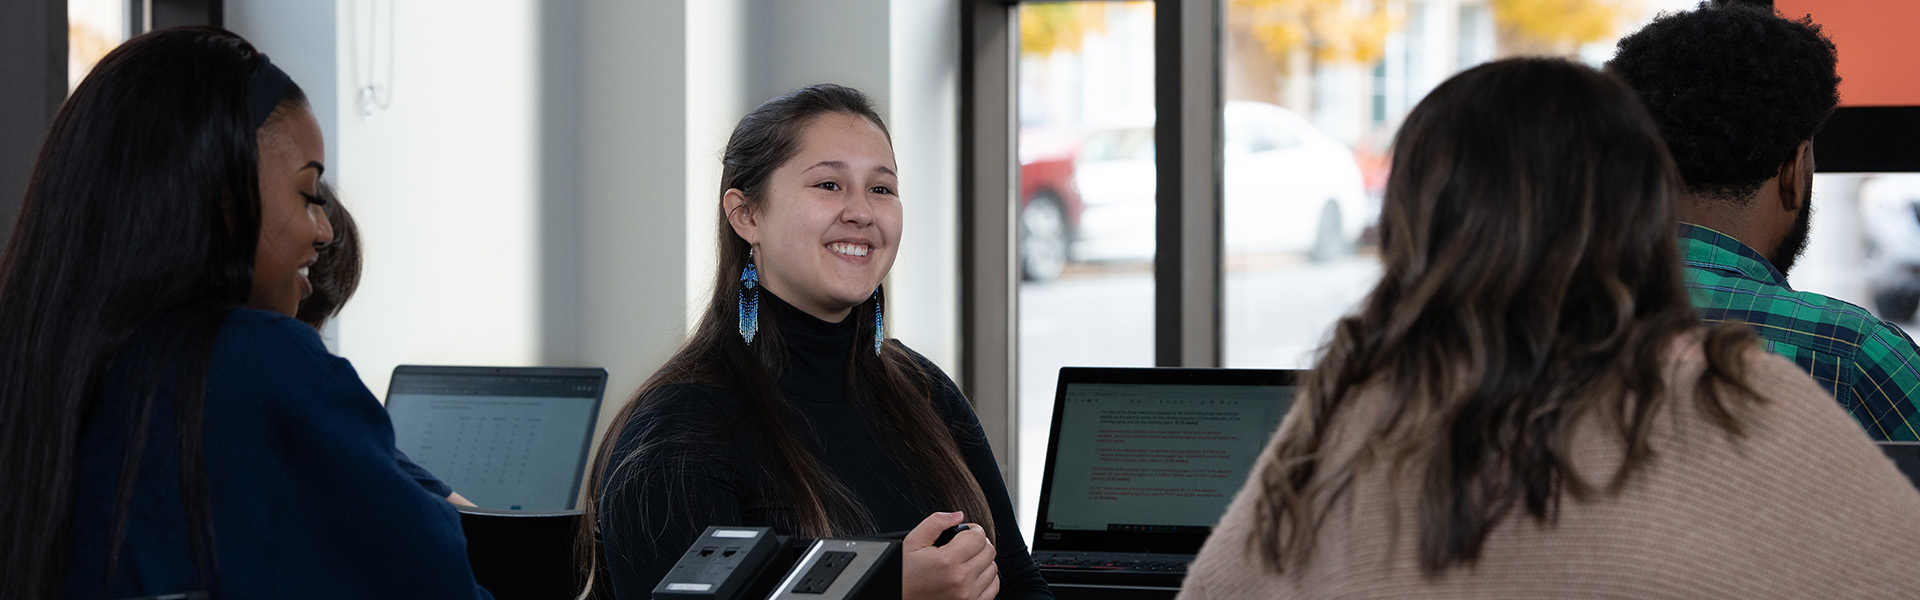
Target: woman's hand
{"points": [[963, 569]]}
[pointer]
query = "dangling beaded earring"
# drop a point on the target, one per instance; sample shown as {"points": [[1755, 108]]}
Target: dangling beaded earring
{"points": [[749, 300], [879, 325]]}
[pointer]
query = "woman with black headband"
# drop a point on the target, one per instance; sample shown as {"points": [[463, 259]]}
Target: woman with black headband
{"points": [[166, 425]]}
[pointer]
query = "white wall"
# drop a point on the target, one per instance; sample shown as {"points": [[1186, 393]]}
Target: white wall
{"points": [[630, 226], [794, 44], [298, 37], [442, 184], [924, 94], [542, 189], [716, 97]]}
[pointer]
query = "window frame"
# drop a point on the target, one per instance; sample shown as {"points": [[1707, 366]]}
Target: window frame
{"points": [[1189, 257], [33, 83]]}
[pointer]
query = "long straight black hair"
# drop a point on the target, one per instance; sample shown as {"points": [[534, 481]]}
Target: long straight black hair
{"points": [[135, 239], [894, 389]]}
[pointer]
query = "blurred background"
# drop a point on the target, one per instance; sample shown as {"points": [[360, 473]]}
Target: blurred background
{"points": [[535, 180], [1314, 91]]}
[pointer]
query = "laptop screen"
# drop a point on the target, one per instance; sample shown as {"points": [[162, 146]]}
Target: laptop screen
{"points": [[1146, 460], [503, 437]]}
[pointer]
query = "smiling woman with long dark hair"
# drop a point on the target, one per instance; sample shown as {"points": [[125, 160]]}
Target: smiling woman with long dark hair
{"points": [[789, 407], [166, 426], [1526, 405]]}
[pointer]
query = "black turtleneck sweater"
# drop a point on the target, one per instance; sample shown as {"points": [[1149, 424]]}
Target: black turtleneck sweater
{"points": [[699, 459]]}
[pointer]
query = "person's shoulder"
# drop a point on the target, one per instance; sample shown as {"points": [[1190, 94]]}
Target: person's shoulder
{"points": [[1774, 376], [1843, 312], [917, 357], [1874, 340], [1798, 311], [683, 407], [681, 419], [1768, 417], [268, 338], [275, 363], [1884, 342], [1763, 375], [947, 396], [1787, 417], [688, 400], [925, 365], [1784, 397]]}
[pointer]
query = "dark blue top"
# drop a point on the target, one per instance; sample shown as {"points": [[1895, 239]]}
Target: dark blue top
{"points": [[663, 488], [422, 476], [308, 497]]}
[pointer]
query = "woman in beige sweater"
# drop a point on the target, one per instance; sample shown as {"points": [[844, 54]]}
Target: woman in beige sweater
{"points": [[1527, 407]]}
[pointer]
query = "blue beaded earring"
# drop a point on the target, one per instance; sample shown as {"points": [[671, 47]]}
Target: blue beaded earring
{"points": [[879, 325], [749, 300]]}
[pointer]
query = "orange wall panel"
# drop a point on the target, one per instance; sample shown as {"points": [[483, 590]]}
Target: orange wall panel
{"points": [[1879, 42]]}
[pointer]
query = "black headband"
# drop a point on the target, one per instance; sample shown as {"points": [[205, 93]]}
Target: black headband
{"points": [[264, 90]]}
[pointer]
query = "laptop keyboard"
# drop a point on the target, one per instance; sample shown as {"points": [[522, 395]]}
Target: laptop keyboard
{"points": [[1106, 562]]}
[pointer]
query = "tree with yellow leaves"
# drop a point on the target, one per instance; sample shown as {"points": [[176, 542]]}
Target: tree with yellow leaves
{"points": [[1556, 26], [1275, 46], [1326, 31], [1046, 28]]}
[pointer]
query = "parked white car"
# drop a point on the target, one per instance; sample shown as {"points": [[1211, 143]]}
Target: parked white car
{"points": [[1288, 188]]}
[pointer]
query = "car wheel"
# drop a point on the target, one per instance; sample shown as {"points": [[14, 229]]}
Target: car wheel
{"points": [[1897, 306], [1329, 239], [1043, 239]]}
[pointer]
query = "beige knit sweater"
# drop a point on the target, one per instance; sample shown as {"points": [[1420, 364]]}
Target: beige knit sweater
{"points": [[1804, 506]]}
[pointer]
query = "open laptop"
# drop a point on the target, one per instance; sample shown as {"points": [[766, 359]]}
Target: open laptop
{"points": [[510, 438], [1142, 462]]}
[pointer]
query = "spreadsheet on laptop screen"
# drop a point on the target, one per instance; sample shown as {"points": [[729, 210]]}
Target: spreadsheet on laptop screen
{"points": [[506, 442]]}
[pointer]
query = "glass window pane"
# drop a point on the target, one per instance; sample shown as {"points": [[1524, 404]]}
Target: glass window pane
{"points": [[1864, 246], [94, 27], [1339, 75], [1086, 204]]}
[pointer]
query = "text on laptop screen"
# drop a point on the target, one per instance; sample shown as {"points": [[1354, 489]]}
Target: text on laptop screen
{"points": [[1150, 457], [501, 441]]}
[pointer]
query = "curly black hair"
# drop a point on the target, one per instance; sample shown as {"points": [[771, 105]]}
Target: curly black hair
{"points": [[1734, 87]]}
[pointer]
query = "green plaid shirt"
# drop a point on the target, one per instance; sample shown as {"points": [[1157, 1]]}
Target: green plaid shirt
{"points": [[1871, 366]]}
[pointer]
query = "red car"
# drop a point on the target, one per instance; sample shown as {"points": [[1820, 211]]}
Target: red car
{"points": [[1049, 211]]}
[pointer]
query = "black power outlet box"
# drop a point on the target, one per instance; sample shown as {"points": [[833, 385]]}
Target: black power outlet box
{"points": [[728, 563]]}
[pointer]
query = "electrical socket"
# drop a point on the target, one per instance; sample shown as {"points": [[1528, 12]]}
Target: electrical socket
{"points": [[844, 569], [724, 564]]}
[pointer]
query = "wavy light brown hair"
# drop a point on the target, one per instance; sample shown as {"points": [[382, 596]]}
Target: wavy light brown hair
{"points": [[1532, 280], [894, 389]]}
